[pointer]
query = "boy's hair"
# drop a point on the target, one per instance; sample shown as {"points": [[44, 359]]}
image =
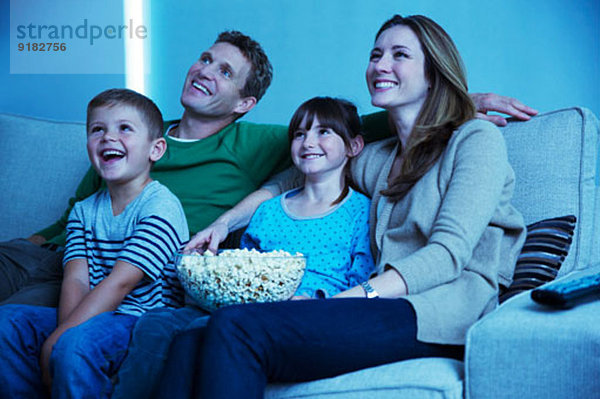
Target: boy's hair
{"points": [[149, 112], [339, 115], [261, 71]]}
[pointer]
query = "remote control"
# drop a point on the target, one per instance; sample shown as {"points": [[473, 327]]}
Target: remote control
{"points": [[568, 293]]}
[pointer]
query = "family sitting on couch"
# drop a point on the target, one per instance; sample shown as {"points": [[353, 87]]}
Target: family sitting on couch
{"points": [[441, 230]]}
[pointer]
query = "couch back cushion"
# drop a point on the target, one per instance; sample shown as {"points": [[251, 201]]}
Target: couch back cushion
{"points": [[41, 163], [556, 161]]}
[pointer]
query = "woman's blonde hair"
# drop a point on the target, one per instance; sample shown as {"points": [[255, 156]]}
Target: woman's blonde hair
{"points": [[447, 106]]}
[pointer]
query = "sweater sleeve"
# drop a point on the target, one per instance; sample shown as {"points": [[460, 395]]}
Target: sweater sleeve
{"points": [[56, 232], [267, 150], [474, 170], [377, 126]]}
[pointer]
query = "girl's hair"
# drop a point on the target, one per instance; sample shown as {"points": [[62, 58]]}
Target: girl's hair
{"points": [[447, 106], [337, 114]]}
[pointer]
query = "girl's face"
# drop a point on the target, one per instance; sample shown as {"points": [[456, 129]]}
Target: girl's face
{"points": [[396, 71], [318, 151]]}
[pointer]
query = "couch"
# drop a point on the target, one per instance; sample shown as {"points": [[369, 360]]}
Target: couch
{"points": [[520, 350]]}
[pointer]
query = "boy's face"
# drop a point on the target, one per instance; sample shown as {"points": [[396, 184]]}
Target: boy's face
{"points": [[213, 83], [119, 144]]}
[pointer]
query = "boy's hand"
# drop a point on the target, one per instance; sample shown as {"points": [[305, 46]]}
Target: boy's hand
{"points": [[209, 238], [486, 102], [45, 356]]}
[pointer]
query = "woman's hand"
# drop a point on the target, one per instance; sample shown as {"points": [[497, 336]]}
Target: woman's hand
{"points": [[209, 238], [486, 102]]}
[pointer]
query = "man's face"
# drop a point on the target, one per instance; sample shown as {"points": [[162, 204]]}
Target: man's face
{"points": [[213, 83]]}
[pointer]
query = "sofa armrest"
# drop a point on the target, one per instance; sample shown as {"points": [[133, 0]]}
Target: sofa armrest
{"points": [[526, 350]]}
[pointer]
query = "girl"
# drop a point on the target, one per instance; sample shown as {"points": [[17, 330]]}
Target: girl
{"points": [[325, 219], [443, 231]]}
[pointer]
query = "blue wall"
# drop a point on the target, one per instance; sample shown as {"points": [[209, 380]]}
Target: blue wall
{"points": [[544, 52]]}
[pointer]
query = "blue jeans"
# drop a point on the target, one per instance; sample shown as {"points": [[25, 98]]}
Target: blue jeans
{"points": [[83, 359], [244, 347], [150, 341]]}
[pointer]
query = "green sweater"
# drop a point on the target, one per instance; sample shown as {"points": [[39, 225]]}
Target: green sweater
{"points": [[212, 175]]}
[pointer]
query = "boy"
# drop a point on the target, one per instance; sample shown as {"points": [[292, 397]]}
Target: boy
{"points": [[120, 242]]}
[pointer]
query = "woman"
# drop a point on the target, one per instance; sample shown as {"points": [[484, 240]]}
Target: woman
{"points": [[443, 233]]}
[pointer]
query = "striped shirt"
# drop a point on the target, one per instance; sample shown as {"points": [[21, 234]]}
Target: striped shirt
{"points": [[146, 235]]}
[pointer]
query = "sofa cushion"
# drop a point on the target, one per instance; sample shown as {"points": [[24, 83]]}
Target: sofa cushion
{"points": [[41, 162], [555, 158], [545, 249], [526, 350], [418, 378]]}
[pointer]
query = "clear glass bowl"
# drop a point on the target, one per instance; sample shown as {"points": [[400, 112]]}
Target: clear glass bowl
{"points": [[234, 277]]}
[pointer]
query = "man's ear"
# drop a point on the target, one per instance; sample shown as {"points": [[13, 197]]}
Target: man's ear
{"points": [[159, 146], [245, 105], [356, 146]]}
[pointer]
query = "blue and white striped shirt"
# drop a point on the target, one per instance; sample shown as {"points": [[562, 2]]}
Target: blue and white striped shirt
{"points": [[146, 235]]}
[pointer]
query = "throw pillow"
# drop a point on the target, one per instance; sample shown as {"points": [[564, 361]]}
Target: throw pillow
{"points": [[546, 247]]}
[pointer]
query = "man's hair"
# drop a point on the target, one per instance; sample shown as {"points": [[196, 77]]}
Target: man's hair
{"points": [[149, 112], [261, 71]]}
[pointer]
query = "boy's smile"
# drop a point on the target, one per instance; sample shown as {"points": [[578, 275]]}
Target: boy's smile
{"points": [[119, 144]]}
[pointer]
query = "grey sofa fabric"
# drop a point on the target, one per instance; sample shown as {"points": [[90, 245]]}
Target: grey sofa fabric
{"points": [[429, 378], [556, 163], [555, 158], [525, 350], [41, 163]]}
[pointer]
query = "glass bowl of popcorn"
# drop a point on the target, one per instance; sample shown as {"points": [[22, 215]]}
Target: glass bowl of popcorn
{"points": [[239, 276]]}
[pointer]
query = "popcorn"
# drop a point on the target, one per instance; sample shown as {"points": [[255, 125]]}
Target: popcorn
{"points": [[240, 276]]}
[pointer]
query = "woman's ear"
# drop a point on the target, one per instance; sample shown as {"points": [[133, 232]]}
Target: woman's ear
{"points": [[356, 146], [159, 146]]}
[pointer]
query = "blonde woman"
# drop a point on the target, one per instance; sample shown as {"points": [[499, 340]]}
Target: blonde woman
{"points": [[444, 236]]}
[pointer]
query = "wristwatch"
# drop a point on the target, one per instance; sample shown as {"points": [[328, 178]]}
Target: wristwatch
{"points": [[370, 291]]}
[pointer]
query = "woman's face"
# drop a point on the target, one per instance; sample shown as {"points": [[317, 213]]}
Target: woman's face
{"points": [[396, 71]]}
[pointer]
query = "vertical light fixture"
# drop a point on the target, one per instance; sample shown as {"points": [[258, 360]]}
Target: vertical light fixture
{"points": [[133, 15]]}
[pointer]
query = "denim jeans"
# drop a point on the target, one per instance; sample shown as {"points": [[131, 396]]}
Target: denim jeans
{"points": [[83, 359], [246, 346], [150, 342]]}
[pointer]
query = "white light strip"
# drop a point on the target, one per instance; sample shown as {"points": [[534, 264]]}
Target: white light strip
{"points": [[133, 10]]}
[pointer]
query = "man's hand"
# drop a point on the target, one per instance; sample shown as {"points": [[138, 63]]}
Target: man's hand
{"points": [[209, 238], [486, 102], [36, 239]]}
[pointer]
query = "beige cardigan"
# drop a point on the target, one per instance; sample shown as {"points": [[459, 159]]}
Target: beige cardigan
{"points": [[454, 236]]}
